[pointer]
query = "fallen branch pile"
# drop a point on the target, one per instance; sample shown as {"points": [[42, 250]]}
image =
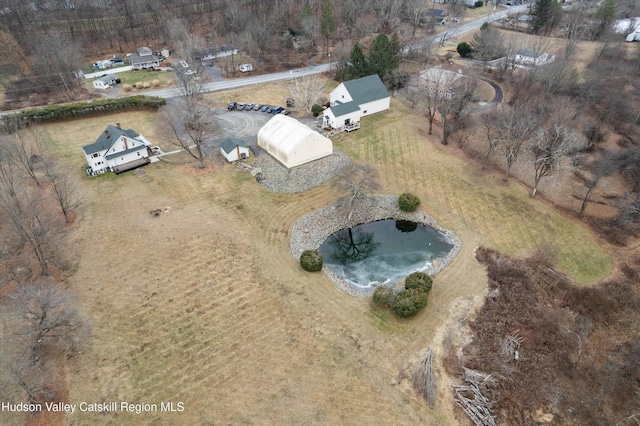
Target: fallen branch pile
{"points": [[423, 379], [470, 398]]}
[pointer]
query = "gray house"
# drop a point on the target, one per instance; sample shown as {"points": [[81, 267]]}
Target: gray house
{"points": [[144, 58]]}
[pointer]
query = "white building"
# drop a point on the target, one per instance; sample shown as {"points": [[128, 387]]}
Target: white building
{"points": [[105, 82], [528, 58], [233, 149], [144, 58], [116, 150], [354, 99], [291, 142]]}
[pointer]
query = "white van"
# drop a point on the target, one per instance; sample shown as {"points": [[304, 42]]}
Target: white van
{"points": [[246, 67]]}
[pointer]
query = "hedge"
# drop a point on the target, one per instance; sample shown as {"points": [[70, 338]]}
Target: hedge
{"points": [[419, 280], [383, 296], [81, 109]]}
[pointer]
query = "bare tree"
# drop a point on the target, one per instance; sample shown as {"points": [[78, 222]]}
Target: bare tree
{"points": [[489, 123], [356, 181], [25, 151], [63, 188], [415, 10], [513, 128], [584, 326], [191, 124], [190, 48], [549, 146], [307, 90], [44, 314], [601, 166], [31, 217], [454, 109]]}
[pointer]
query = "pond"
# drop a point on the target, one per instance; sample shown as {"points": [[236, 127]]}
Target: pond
{"points": [[383, 252]]}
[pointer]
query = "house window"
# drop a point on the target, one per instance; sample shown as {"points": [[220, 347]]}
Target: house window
{"points": [[95, 155], [364, 112], [138, 153]]}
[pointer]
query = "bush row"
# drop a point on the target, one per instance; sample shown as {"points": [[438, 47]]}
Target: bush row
{"points": [[80, 109]]}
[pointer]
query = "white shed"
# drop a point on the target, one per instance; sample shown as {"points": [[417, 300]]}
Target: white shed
{"points": [[233, 149], [291, 142]]}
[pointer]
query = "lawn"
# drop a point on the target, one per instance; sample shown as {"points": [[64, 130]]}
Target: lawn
{"points": [[205, 304]]}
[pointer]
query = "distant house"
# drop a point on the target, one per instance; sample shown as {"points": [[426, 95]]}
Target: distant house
{"points": [[528, 58], [441, 82], [354, 99], [233, 149], [144, 58], [105, 82], [436, 14], [116, 150]]}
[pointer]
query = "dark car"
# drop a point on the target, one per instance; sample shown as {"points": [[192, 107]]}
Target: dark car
{"points": [[241, 106], [268, 111], [232, 106], [264, 108], [276, 110], [257, 107]]}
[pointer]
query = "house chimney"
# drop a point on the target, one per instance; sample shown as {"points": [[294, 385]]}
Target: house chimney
{"points": [[118, 125], [106, 134]]}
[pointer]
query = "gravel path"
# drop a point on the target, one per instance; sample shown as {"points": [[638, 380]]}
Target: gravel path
{"points": [[278, 178], [310, 231]]}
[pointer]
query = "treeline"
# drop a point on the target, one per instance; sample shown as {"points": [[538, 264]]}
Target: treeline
{"points": [[41, 324]]}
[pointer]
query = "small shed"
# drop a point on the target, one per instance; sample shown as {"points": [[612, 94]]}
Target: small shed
{"points": [[105, 82], [291, 142], [233, 149]]}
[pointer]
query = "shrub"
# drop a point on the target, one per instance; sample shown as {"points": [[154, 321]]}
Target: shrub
{"points": [[383, 296], [146, 85], [127, 87], [408, 202], [419, 280], [409, 302], [139, 85], [479, 3], [311, 260], [316, 110], [156, 83], [464, 49]]}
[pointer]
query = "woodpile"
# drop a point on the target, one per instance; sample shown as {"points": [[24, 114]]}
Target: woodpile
{"points": [[471, 399]]}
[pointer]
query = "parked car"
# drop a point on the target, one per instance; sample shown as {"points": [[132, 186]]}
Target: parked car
{"points": [[241, 106], [245, 68], [184, 64], [291, 102], [232, 106], [276, 110], [285, 112], [189, 72], [257, 107], [269, 110], [264, 108], [249, 107]]}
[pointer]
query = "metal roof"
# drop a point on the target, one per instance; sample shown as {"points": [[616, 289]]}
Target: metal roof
{"points": [[366, 89], [230, 143]]}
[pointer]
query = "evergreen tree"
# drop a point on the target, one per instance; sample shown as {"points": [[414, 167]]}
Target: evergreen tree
{"points": [[487, 44], [384, 55], [605, 15], [546, 14], [355, 66], [328, 22]]}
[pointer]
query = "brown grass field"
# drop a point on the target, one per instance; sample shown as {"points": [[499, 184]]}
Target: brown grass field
{"points": [[205, 305]]}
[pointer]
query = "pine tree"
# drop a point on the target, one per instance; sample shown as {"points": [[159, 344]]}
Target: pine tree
{"points": [[546, 14], [384, 55], [355, 66]]}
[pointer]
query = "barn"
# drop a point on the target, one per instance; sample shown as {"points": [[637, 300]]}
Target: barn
{"points": [[354, 99], [291, 142]]}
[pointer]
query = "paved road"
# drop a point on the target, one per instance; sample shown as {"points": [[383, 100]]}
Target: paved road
{"points": [[467, 27]]}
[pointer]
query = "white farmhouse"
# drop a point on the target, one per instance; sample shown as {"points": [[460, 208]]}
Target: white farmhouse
{"points": [[527, 58], [144, 58], [233, 149], [354, 99], [105, 82], [116, 150], [291, 142]]}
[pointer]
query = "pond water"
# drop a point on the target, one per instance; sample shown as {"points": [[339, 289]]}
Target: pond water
{"points": [[383, 252]]}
